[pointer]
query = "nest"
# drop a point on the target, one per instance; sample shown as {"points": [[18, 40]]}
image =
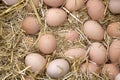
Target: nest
{"points": [[14, 43]]}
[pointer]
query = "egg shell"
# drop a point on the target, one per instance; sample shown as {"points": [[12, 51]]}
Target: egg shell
{"points": [[10, 2], [30, 25], [90, 67], [95, 9], [29, 6], [93, 30], [111, 70], [117, 77], [113, 29], [97, 53], [47, 43], [75, 53], [114, 51], [54, 3], [55, 17], [36, 61], [57, 68], [114, 6], [73, 5], [72, 35]]}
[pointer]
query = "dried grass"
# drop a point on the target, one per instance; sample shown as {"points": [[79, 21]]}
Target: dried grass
{"points": [[14, 43]]}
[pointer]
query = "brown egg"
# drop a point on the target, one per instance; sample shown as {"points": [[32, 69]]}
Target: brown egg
{"points": [[73, 5], [75, 53], [28, 78], [47, 43], [72, 35], [54, 3], [30, 25], [90, 67], [97, 53], [55, 17], [113, 29], [95, 9], [93, 30], [29, 6], [119, 60], [36, 61], [111, 70], [10, 2], [58, 68], [114, 6], [114, 51]]}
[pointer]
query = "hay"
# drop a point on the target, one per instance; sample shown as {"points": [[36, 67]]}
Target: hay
{"points": [[14, 43]]}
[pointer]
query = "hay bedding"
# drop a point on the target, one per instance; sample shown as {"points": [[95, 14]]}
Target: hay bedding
{"points": [[14, 43]]}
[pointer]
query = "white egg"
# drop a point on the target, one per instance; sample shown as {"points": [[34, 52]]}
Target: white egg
{"points": [[117, 77], [58, 68], [10, 2]]}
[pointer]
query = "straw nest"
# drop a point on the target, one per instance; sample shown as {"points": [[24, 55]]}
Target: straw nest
{"points": [[14, 43]]}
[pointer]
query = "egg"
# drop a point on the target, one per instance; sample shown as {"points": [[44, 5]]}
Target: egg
{"points": [[114, 51], [28, 78], [98, 53], [10, 2], [72, 35], [54, 3], [111, 70], [35, 61], [75, 53], [57, 68], [119, 60], [117, 77], [73, 5], [29, 6], [47, 43], [113, 29], [90, 67], [55, 17], [114, 6], [95, 9], [30, 25], [93, 30]]}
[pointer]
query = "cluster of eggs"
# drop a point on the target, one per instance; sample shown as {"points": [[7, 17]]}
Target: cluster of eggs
{"points": [[94, 31]]}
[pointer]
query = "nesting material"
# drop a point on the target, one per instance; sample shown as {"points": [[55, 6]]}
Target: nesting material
{"points": [[15, 43]]}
